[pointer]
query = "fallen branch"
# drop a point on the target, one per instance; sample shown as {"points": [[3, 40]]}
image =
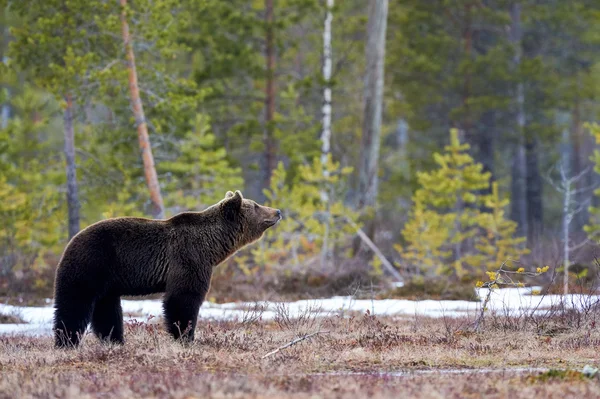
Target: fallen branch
{"points": [[294, 342], [363, 236]]}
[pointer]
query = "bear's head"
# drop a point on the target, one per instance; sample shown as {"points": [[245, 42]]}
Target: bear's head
{"points": [[251, 218]]}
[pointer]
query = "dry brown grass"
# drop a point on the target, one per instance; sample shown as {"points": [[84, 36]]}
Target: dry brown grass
{"points": [[353, 360]]}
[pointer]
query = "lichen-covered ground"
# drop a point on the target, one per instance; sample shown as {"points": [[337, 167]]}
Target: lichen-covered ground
{"points": [[360, 356]]}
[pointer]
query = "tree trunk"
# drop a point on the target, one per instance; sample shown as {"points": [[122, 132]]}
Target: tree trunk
{"points": [[518, 168], [485, 148], [373, 105], [535, 213], [326, 128], [5, 112], [327, 67], [72, 194], [518, 211], [580, 159], [158, 209], [567, 217], [270, 147], [402, 140], [466, 124]]}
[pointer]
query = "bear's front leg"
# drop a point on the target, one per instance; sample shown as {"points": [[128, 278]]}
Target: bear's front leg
{"points": [[181, 313]]}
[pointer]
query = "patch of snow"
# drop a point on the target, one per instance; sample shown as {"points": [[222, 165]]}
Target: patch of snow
{"points": [[26, 329], [512, 301]]}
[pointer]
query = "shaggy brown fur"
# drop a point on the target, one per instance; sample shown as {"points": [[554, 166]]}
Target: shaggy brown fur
{"points": [[135, 256]]}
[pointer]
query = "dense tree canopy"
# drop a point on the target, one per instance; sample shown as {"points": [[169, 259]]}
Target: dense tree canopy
{"points": [[233, 94]]}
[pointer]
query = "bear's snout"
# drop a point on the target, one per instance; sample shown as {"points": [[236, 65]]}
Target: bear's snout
{"points": [[277, 216], [272, 216]]}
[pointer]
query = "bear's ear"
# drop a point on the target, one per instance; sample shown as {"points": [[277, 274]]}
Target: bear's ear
{"points": [[232, 205], [229, 194]]}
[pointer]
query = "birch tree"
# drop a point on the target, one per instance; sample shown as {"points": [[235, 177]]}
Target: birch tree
{"points": [[327, 69], [567, 185], [326, 122], [269, 139]]}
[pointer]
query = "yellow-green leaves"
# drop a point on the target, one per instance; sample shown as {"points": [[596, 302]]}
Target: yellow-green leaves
{"points": [[31, 206], [309, 220], [593, 228], [453, 228], [503, 277]]}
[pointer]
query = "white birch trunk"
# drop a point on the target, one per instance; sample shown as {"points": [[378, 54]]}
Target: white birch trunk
{"points": [[327, 69], [566, 221], [326, 132], [565, 184]]}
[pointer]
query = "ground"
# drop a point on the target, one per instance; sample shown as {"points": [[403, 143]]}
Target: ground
{"points": [[357, 355]]}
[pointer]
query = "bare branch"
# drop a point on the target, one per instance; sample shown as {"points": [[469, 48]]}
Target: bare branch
{"points": [[376, 250], [294, 342], [109, 65], [581, 244]]}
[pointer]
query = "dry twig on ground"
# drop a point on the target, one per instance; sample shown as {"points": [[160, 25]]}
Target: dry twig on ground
{"points": [[294, 342]]}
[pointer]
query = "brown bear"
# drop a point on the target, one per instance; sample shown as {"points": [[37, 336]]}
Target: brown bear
{"points": [[136, 256]]}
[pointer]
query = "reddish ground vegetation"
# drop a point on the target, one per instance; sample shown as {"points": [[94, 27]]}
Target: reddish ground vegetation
{"points": [[357, 356]]}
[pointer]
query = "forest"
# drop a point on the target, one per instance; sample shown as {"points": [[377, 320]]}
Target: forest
{"points": [[422, 141]]}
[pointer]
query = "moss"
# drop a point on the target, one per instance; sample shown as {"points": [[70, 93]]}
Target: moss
{"points": [[557, 374]]}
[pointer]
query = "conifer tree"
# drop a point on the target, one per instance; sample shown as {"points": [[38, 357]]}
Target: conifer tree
{"points": [[448, 232], [59, 45], [198, 171], [30, 171], [498, 240], [308, 218]]}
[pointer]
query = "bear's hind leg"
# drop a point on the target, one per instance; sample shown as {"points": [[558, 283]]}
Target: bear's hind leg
{"points": [[107, 319], [181, 313]]}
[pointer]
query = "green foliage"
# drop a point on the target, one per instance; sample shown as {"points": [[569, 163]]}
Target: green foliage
{"points": [[447, 64], [307, 216], [445, 75], [60, 43], [15, 214], [453, 228], [199, 171], [31, 209], [502, 277], [228, 58], [497, 241], [593, 227]]}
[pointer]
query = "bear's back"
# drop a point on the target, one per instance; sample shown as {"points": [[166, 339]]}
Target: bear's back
{"points": [[129, 254]]}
